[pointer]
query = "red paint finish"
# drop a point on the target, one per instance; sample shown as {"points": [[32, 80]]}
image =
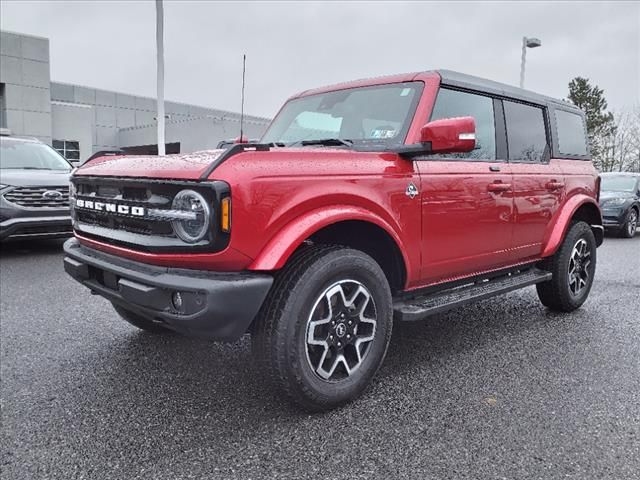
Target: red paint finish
{"points": [[538, 191], [466, 218], [559, 225], [228, 260], [183, 166], [285, 209], [581, 186], [450, 135]]}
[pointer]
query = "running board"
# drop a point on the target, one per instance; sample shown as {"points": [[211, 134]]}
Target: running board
{"points": [[419, 307]]}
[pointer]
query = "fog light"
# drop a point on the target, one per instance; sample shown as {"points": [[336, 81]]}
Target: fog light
{"points": [[176, 300]]}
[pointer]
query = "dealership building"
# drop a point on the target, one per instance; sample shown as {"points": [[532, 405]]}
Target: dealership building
{"points": [[79, 121]]}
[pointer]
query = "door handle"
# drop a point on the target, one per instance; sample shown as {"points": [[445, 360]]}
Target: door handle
{"points": [[499, 187], [494, 168], [553, 185]]}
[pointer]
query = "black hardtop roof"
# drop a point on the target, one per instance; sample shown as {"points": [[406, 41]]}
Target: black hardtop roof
{"points": [[462, 80]]}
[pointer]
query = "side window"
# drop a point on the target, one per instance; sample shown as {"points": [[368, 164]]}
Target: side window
{"points": [[526, 132], [572, 137], [452, 103]]}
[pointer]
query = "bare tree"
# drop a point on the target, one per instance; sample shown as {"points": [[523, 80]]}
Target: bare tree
{"points": [[621, 147]]}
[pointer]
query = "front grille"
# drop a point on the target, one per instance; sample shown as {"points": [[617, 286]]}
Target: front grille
{"points": [[39, 197], [125, 224], [153, 234]]}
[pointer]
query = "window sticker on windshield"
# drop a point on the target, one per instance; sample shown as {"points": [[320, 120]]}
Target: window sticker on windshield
{"points": [[405, 92], [383, 133]]}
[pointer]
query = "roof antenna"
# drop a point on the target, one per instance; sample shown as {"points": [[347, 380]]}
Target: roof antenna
{"points": [[244, 62]]}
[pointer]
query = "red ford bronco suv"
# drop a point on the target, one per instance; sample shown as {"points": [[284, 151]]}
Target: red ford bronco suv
{"points": [[396, 197]]}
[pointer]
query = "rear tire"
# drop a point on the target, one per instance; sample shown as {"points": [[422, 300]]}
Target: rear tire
{"points": [[324, 329], [140, 322], [628, 230], [573, 267]]}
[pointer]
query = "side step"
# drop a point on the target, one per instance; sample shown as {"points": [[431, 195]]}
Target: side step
{"points": [[419, 307]]}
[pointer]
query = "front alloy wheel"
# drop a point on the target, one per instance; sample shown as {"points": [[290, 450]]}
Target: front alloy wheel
{"points": [[340, 330], [324, 329]]}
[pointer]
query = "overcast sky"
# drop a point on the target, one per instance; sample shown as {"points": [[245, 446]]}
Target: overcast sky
{"points": [[293, 46]]}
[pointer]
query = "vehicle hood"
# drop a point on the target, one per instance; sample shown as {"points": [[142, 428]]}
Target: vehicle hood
{"points": [[34, 178], [191, 166], [184, 166], [611, 194]]}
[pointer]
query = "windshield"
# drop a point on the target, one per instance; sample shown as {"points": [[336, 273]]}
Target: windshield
{"points": [[618, 184], [17, 154], [366, 115]]}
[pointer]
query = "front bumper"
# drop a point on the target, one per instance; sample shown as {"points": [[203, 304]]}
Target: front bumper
{"points": [[215, 305], [614, 217], [35, 227]]}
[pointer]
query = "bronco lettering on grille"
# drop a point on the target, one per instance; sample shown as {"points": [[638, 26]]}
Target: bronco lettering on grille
{"points": [[110, 207]]}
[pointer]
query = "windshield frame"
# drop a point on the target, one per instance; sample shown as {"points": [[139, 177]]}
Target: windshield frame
{"points": [[359, 144], [608, 178], [41, 145]]}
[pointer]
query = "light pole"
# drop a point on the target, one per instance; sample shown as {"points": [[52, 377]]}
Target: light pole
{"points": [[526, 43], [160, 74]]}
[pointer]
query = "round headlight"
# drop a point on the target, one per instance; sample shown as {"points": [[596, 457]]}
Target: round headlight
{"points": [[195, 227]]}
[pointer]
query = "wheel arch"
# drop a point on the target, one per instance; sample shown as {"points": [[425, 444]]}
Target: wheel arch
{"points": [[577, 208], [344, 225]]}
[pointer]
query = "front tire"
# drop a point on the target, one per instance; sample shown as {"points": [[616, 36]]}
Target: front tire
{"points": [[325, 327], [573, 267], [628, 230]]}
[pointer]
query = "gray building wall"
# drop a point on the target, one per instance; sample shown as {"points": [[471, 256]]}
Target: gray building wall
{"points": [[25, 79], [116, 113], [195, 134], [74, 122], [98, 119]]}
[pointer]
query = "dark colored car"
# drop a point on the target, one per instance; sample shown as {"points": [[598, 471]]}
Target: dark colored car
{"points": [[34, 190], [620, 202]]}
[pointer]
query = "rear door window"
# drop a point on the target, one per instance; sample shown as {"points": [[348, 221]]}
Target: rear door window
{"points": [[453, 103], [572, 137], [526, 132]]}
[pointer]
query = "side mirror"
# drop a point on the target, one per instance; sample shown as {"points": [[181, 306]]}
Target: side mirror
{"points": [[450, 135]]}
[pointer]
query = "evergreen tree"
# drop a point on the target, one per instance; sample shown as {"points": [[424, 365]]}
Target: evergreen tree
{"points": [[600, 123]]}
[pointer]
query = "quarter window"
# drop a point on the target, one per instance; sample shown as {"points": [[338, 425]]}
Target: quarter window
{"points": [[69, 149], [452, 103], [526, 132], [572, 139]]}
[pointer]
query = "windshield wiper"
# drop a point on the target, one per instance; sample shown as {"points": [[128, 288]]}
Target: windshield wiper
{"points": [[329, 142]]}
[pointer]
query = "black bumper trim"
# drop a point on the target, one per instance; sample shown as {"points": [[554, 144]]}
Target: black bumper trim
{"points": [[36, 227], [215, 305]]}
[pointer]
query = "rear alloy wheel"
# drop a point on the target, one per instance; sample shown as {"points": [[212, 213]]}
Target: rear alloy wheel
{"points": [[628, 230], [579, 262], [324, 329], [573, 267]]}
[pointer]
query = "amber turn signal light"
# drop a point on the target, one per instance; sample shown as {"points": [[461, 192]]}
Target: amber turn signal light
{"points": [[225, 215]]}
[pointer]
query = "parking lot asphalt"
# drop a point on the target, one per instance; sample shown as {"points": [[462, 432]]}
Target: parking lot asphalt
{"points": [[502, 389]]}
